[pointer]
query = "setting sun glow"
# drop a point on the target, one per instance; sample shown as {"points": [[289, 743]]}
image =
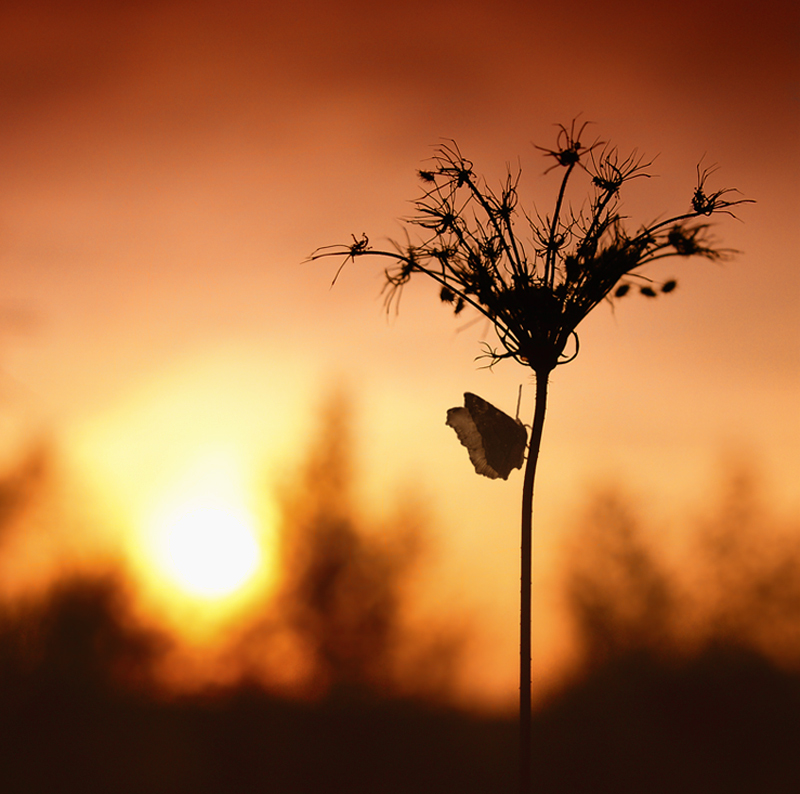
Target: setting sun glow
{"points": [[208, 550], [204, 541]]}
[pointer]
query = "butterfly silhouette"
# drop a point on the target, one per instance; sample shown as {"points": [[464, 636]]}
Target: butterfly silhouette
{"points": [[496, 443]]}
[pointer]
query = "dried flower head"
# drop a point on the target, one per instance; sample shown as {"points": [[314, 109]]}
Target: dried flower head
{"points": [[536, 293]]}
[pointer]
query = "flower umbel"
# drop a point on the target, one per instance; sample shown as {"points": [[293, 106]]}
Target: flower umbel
{"points": [[537, 293]]}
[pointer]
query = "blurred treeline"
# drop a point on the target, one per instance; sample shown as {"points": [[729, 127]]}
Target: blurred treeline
{"points": [[689, 671], [688, 679]]}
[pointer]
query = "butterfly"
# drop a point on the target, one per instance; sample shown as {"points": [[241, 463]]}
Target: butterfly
{"points": [[496, 443]]}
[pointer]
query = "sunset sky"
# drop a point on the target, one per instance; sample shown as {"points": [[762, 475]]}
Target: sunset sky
{"points": [[168, 167]]}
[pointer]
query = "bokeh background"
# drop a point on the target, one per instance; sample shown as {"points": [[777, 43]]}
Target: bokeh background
{"points": [[167, 170]]}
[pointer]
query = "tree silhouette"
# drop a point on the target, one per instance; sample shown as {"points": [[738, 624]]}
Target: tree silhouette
{"points": [[345, 579], [20, 486], [342, 588], [536, 277], [690, 676], [620, 596], [736, 584], [725, 717]]}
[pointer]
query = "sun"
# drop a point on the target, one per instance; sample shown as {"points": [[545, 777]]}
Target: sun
{"points": [[203, 540], [209, 550]]}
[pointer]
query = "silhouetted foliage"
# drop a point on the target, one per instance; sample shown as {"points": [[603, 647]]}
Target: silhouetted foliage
{"points": [[690, 679], [71, 720], [77, 638], [739, 584], [750, 571], [346, 580], [619, 594], [722, 718], [20, 485], [723, 722]]}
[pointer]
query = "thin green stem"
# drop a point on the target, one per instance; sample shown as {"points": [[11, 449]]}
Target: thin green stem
{"points": [[526, 578]]}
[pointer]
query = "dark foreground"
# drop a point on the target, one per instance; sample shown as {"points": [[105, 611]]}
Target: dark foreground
{"points": [[726, 721]]}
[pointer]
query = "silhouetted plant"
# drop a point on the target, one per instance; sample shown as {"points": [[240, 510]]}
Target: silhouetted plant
{"points": [[537, 281]]}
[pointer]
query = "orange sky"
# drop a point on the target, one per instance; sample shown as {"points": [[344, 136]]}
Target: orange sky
{"points": [[168, 166]]}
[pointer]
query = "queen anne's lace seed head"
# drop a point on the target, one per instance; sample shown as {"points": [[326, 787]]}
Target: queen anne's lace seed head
{"points": [[537, 287]]}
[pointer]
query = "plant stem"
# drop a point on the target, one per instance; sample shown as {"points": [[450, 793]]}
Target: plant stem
{"points": [[526, 577]]}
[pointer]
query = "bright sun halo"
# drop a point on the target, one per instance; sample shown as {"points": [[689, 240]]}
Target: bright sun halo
{"points": [[209, 551]]}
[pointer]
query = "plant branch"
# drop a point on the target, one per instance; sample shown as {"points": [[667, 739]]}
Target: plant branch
{"points": [[552, 247]]}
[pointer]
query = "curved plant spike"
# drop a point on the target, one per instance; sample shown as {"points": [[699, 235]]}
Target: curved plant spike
{"points": [[535, 278]]}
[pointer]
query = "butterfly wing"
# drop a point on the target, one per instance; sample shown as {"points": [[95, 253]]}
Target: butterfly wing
{"points": [[495, 442]]}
